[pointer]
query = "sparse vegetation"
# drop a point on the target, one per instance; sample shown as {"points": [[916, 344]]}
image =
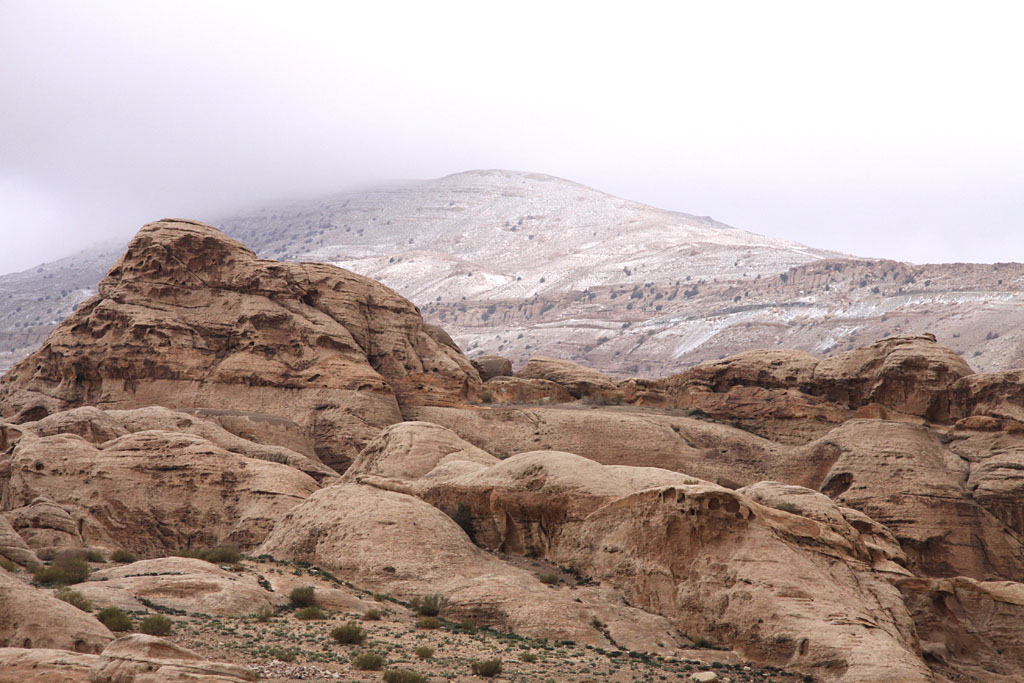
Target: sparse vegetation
{"points": [[281, 654], [372, 615], [486, 667], [348, 634], [368, 661], [528, 657], [424, 652], [428, 622], [264, 614], [308, 613], [303, 597], [94, 555], [73, 597], [114, 619], [123, 556], [216, 555], [8, 565], [786, 506], [403, 676], [429, 605], [66, 569], [156, 625], [550, 578]]}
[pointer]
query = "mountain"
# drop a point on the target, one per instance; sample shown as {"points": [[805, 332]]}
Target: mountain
{"points": [[520, 264]]}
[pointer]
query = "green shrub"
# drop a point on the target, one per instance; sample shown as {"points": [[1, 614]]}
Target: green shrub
{"points": [[123, 556], [348, 634], [428, 622], [372, 615], [424, 652], [222, 554], [67, 568], [486, 667], [264, 614], [703, 643], [403, 676], [550, 578], [73, 597], [528, 657], [94, 555], [429, 605], [115, 619], [281, 655], [368, 661], [786, 506], [156, 625], [303, 597], [7, 564], [308, 613]]}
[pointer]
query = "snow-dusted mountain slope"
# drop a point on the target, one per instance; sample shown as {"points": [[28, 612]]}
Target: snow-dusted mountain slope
{"points": [[522, 264]]}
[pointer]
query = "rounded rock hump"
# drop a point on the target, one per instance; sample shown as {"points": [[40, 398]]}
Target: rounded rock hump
{"points": [[191, 319]]}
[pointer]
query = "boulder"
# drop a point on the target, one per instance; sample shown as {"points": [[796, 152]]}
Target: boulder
{"points": [[191, 319], [43, 665], [139, 658], [410, 450], [31, 617], [13, 546], [579, 380], [517, 390], [492, 366], [42, 523]]}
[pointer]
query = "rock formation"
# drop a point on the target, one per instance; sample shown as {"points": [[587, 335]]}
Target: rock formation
{"points": [[191, 319]]}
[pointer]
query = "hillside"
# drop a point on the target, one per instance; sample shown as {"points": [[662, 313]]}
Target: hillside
{"points": [[521, 264]]}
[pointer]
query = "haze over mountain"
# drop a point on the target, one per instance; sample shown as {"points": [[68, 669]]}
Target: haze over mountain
{"points": [[522, 264]]}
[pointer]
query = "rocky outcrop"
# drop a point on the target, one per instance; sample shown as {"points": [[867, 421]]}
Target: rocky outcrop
{"points": [[579, 380], [410, 450], [908, 374], [31, 617], [517, 390], [177, 583], [13, 546], [492, 366], [42, 523], [141, 658], [191, 319], [149, 491], [906, 478]]}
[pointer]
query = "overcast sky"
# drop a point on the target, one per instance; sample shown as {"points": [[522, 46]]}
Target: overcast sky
{"points": [[890, 129]]}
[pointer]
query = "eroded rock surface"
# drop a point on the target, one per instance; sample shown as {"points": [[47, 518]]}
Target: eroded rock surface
{"points": [[191, 319]]}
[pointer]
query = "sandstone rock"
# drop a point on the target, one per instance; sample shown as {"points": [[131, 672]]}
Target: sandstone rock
{"points": [[410, 450], [13, 546], [624, 436], [31, 617], [704, 677], [152, 491], [20, 665], [191, 319], [100, 426], [517, 390], [994, 394], [492, 366], [375, 538], [968, 628], [768, 369], [42, 523], [140, 658], [178, 583], [579, 380], [909, 374], [904, 477]]}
